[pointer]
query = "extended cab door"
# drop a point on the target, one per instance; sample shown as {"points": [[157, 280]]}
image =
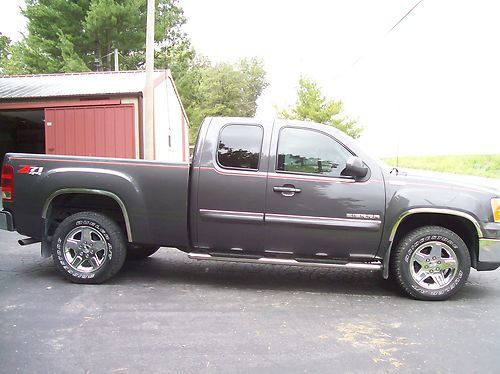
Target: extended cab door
{"points": [[313, 211], [229, 186]]}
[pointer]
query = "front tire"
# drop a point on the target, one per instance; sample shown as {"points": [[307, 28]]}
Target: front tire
{"points": [[88, 247], [431, 263]]}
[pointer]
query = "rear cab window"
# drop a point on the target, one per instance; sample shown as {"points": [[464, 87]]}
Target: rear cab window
{"points": [[239, 147]]}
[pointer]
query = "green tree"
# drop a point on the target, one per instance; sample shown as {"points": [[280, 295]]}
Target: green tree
{"points": [[40, 51], [4, 45], [4, 51], [112, 24], [71, 60], [60, 31], [312, 105], [227, 90]]}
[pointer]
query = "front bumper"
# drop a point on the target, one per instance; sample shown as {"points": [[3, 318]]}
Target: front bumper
{"points": [[489, 250], [6, 221]]}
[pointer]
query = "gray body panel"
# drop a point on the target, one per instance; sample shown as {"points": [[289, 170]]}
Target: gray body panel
{"points": [[154, 194], [319, 221], [407, 192], [216, 210], [228, 205], [238, 212]]}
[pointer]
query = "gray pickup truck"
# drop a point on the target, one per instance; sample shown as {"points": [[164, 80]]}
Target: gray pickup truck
{"points": [[267, 192]]}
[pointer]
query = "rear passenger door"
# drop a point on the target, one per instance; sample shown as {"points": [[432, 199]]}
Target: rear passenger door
{"points": [[232, 187]]}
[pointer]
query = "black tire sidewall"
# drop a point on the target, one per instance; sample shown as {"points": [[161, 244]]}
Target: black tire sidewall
{"points": [[414, 241], [111, 233]]}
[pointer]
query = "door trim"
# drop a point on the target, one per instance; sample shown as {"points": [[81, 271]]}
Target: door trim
{"points": [[229, 215], [345, 223]]}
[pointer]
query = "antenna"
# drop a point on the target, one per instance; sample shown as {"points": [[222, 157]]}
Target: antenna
{"points": [[397, 151], [397, 157]]}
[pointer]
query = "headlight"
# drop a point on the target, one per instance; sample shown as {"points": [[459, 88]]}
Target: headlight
{"points": [[495, 205]]}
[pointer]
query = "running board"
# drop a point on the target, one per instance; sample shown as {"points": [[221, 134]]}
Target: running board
{"points": [[277, 261]]}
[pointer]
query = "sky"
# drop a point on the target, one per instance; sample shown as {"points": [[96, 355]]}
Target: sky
{"points": [[429, 87]]}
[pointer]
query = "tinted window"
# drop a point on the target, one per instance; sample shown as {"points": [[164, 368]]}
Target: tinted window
{"points": [[307, 151], [239, 146]]}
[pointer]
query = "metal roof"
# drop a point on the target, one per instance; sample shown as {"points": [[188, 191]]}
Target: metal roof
{"points": [[78, 84]]}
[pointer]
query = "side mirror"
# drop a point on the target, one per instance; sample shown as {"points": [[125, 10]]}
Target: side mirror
{"points": [[355, 168]]}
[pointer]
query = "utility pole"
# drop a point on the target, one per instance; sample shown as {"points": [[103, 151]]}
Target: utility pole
{"points": [[97, 64], [117, 68], [149, 125]]}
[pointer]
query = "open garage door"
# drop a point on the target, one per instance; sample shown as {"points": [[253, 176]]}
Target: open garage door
{"points": [[21, 131], [101, 131]]}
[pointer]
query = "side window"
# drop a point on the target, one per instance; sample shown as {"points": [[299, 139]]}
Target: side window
{"points": [[239, 146], [311, 152]]}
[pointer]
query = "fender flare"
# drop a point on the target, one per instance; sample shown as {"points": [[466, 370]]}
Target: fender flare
{"points": [[68, 191], [450, 212]]}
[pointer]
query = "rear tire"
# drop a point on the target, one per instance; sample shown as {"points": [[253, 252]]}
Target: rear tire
{"points": [[88, 247], [140, 252], [431, 263]]}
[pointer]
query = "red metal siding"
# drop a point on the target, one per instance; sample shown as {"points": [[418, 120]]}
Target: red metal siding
{"points": [[102, 131]]}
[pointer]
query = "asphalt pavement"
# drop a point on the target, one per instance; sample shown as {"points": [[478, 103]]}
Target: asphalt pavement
{"points": [[172, 314]]}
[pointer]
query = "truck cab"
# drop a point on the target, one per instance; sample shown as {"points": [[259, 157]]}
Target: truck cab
{"points": [[281, 188]]}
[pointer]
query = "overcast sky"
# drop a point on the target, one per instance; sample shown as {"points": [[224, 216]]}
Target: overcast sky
{"points": [[429, 87]]}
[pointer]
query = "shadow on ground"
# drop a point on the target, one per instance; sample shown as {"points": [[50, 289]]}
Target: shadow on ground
{"points": [[173, 267]]}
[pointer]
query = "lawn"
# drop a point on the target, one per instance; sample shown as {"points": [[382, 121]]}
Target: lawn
{"points": [[479, 165]]}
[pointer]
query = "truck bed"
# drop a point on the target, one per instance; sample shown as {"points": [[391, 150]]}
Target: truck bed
{"points": [[152, 195]]}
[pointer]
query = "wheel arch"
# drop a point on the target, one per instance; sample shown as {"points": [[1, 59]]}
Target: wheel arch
{"points": [[462, 223], [68, 192]]}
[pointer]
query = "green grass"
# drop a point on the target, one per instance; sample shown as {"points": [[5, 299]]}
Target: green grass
{"points": [[479, 165]]}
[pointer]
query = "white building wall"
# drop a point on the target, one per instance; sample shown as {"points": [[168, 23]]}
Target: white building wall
{"points": [[170, 142]]}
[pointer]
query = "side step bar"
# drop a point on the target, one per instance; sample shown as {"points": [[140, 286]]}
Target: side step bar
{"points": [[277, 261]]}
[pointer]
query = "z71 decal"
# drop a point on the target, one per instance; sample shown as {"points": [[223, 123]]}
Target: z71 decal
{"points": [[31, 170]]}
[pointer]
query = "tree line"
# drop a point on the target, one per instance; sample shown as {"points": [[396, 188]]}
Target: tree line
{"points": [[81, 35]]}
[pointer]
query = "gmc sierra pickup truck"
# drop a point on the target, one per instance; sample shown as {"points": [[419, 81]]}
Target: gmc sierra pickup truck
{"points": [[268, 192]]}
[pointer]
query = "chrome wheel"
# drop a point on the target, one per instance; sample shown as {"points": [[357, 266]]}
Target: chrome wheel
{"points": [[433, 265], [85, 249]]}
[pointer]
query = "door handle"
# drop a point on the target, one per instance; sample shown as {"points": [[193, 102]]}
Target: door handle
{"points": [[286, 190]]}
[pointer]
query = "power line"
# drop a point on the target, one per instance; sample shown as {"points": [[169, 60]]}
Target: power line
{"points": [[406, 15], [391, 29]]}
